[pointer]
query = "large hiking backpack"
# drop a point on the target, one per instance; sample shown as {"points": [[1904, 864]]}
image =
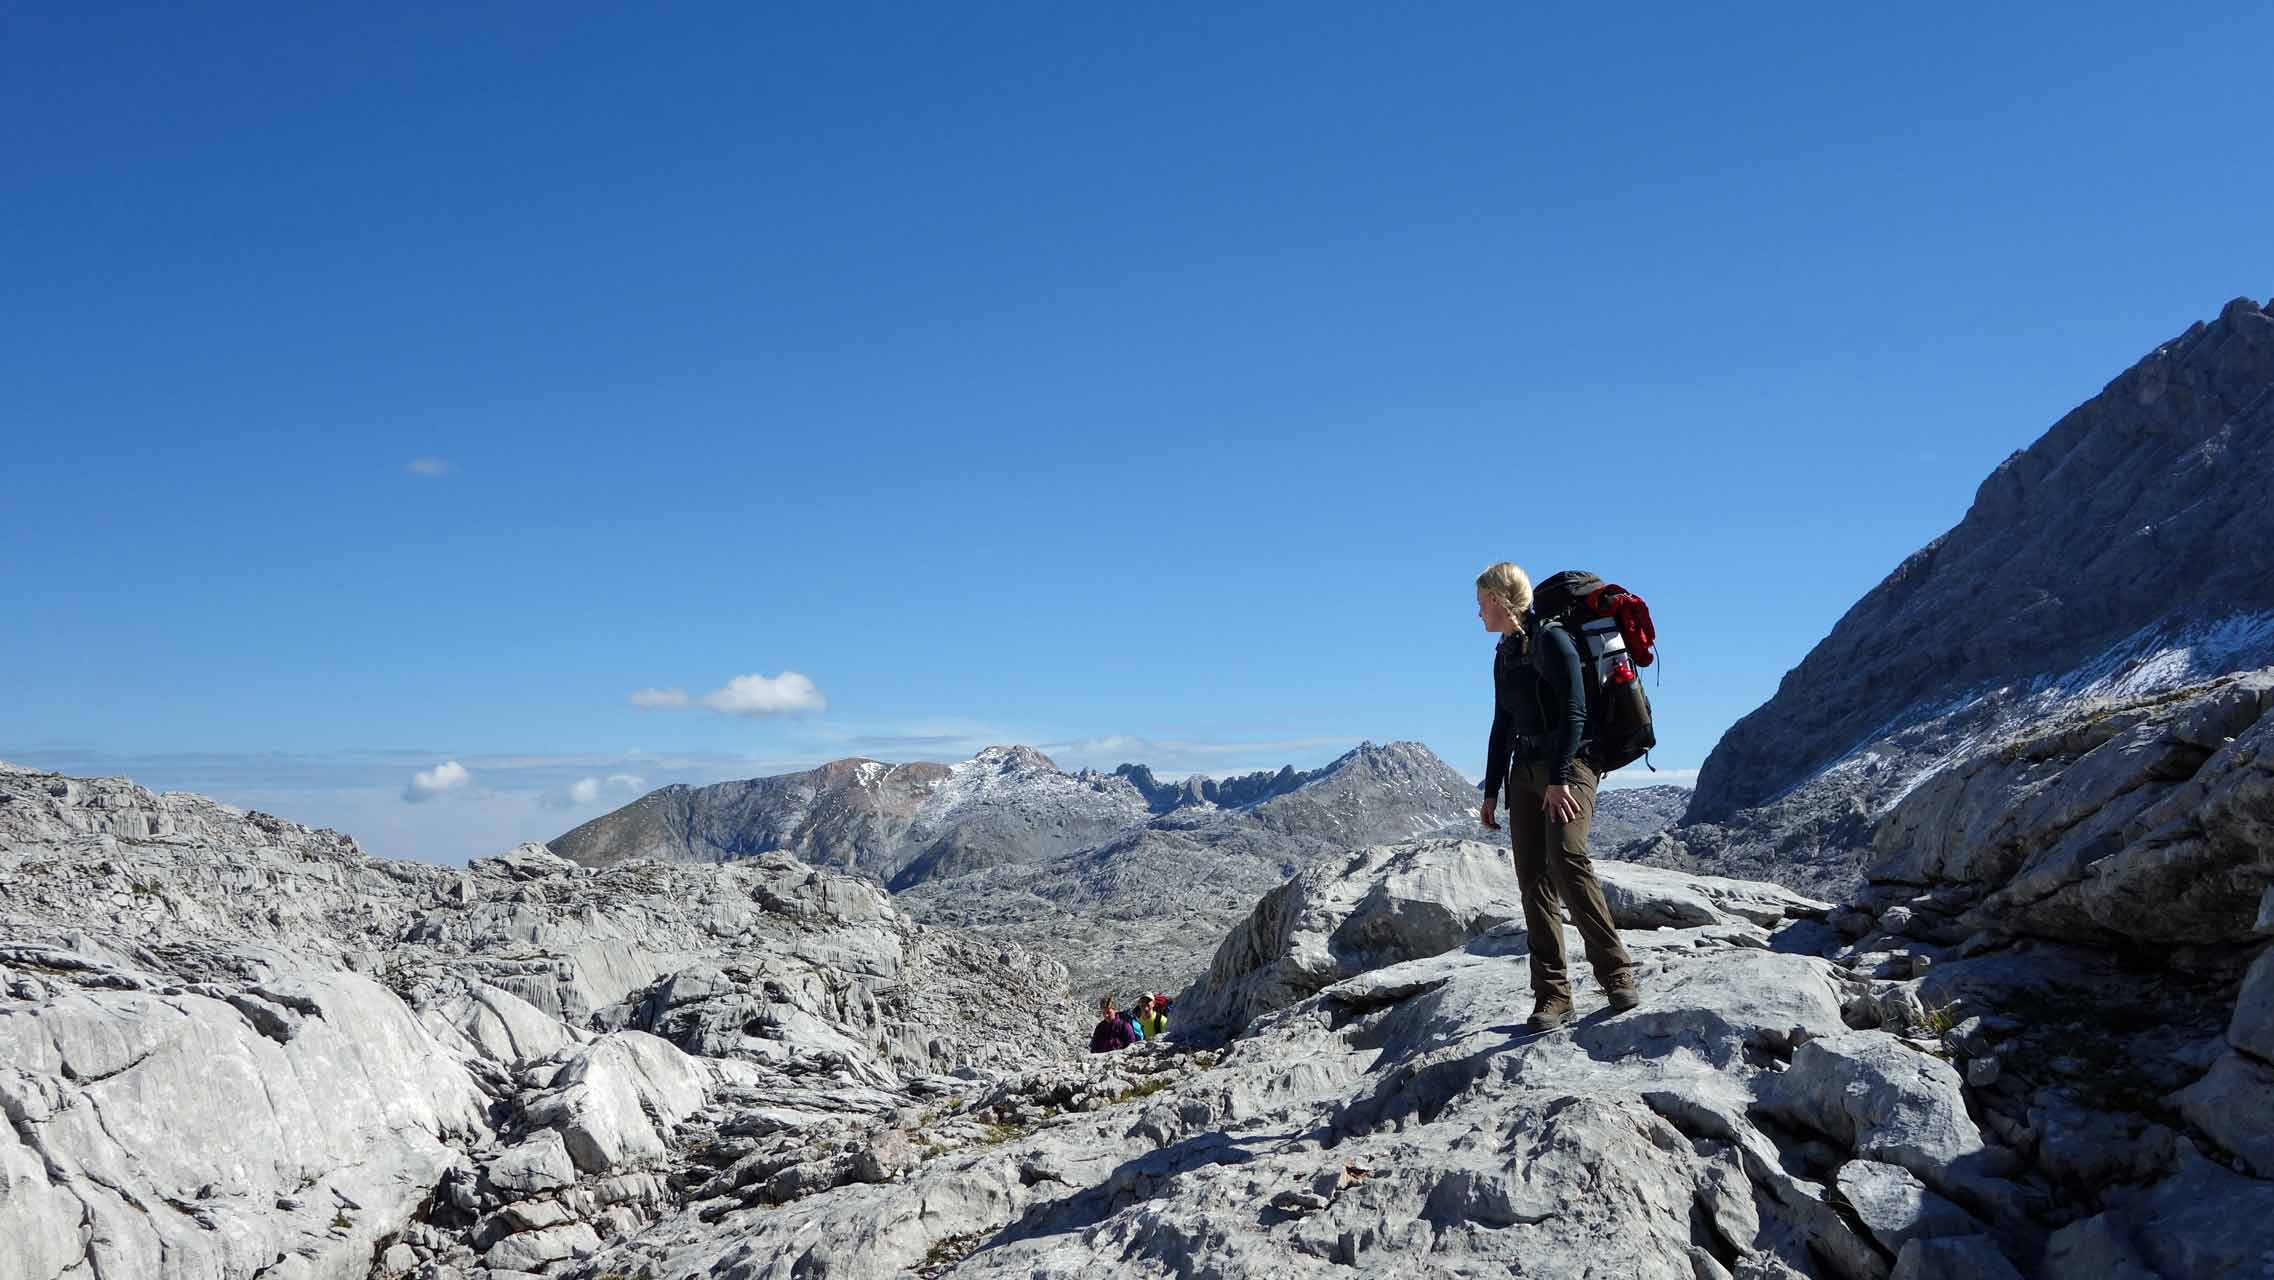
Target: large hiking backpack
{"points": [[1612, 627]]}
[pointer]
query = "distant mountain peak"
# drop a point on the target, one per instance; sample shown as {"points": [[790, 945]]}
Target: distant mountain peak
{"points": [[2142, 510], [1014, 756]]}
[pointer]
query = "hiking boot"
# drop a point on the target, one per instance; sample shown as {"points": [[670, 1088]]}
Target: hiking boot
{"points": [[1551, 1012], [1624, 997]]}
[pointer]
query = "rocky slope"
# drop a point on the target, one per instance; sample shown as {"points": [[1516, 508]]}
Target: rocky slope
{"points": [[2129, 551], [1795, 1098], [1624, 815], [1784, 1104], [231, 1045], [234, 1046], [2092, 899]]}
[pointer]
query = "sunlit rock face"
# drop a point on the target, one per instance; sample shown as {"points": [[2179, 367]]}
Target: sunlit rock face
{"points": [[2128, 552]]}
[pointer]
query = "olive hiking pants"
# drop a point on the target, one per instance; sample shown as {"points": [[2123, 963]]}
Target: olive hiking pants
{"points": [[1554, 872]]}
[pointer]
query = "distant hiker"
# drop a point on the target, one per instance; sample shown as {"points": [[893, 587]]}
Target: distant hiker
{"points": [[1129, 1020], [1112, 1031], [1538, 748], [1150, 1018]]}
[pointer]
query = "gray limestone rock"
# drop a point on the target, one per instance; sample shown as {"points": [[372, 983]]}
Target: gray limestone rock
{"points": [[2092, 1249], [1974, 1257], [124, 1101], [1009, 844], [1897, 1208], [1879, 1098], [2203, 1223], [1370, 910], [2028, 604], [2252, 1028], [616, 1100], [1380, 906], [246, 1040], [536, 1251], [2234, 1104], [538, 1163]]}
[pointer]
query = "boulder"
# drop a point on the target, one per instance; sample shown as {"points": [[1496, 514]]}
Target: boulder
{"points": [[2234, 1104], [503, 1027], [1371, 909], [2092, 1249], [1877, 1097], [1897, 1208], [1973, 1257], [615, 1100], [122, 1100], [537, 1163], [539, 1250], [2252, 1028], [1647, 897]]}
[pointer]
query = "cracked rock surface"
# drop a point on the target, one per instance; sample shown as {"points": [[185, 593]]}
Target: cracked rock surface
{"points": [[232, 1046]]}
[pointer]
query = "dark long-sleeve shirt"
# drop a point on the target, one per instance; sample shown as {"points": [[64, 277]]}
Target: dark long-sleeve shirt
{"points": [[1539, 704], [1111, 1034]]}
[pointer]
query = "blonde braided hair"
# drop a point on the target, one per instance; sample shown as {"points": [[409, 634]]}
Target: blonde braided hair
{"points": [[1508, 584]]}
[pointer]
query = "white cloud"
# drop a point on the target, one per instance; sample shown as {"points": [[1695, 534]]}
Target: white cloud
{"points": [[756, 695], [751, 695], [443, 778], [431, 468], [588, 791]]}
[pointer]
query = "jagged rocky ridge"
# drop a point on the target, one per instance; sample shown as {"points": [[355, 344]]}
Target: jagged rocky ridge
{"points": [[894, 822], [1147, 908], [907, 824], [2129, 551]]}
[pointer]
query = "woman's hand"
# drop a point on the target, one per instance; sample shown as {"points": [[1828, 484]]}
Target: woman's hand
{"points": [[1484, 815], [1561, 802]]}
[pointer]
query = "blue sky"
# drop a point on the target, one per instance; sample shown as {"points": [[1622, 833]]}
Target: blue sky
{"points": [[384, 390]]}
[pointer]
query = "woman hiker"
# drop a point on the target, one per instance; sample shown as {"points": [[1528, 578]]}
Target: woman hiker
{"points": [[1538, 748], [1112, 1032]]}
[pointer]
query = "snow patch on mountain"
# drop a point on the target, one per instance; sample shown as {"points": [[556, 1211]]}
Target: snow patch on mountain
{"points": [[1023, 780], [2155, 659]]}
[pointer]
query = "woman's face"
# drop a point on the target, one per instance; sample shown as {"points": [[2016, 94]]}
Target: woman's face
{"points": [[1495, 615]]}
